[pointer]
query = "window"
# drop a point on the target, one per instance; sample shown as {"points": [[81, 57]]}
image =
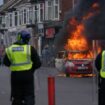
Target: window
{"points": [[36, 13], [24, 16], [2, 21], [41, 12], [30, 15], [49, 10], [10, 20], [15, 18], [52, 10], [7, 20], [27, 17], [20, 17], [56, 9]]}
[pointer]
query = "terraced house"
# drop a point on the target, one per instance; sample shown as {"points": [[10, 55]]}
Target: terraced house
{"points": [[43, 18]]}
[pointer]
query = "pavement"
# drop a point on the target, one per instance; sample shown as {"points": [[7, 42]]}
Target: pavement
{"points": [[68, 91]]}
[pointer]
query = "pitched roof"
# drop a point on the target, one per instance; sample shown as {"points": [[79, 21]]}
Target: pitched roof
{"points": [[9, 4]]}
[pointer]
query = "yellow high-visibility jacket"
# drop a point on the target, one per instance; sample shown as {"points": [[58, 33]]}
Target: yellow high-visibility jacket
{"points": [[102, 71], [20, 57]]}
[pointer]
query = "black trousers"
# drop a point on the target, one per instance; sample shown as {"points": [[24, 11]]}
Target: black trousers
{"points": [[101, 93], [28, 100], [101, 97], [22, 88]]}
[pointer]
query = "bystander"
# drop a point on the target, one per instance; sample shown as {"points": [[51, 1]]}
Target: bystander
{"points": [[45, 55]]}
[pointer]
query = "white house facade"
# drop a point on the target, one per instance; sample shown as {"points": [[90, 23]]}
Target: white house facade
{"points": [[16, 15]]}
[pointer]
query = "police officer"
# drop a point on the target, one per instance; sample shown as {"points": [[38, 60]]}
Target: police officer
{"points": [[100, 65], [23, 60]]}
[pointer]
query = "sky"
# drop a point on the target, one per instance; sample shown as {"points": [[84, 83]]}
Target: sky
{"points": [[1, 2]]}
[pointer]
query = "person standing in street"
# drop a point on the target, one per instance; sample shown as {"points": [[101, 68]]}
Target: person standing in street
{"points": [[23, 60], [45, 55], [52, 50], [100, 66]]}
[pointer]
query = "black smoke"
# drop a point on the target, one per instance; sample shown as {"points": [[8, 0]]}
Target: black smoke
{"points": [[94, 26]]}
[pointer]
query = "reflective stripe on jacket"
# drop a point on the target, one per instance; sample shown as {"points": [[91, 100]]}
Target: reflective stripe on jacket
{"points": [[102, 71], [20, 57]]}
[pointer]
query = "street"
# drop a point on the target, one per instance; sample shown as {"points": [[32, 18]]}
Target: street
{"points": [[69, 35], [68, 91]]}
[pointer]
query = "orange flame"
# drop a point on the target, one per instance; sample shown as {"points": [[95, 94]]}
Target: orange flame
{"points": [[77, 41]]}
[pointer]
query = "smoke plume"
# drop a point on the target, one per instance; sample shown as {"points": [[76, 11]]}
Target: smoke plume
{"points": [[94, 25]]}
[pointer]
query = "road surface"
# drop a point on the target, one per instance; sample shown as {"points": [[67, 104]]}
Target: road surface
{"points": [[68, 91]]}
